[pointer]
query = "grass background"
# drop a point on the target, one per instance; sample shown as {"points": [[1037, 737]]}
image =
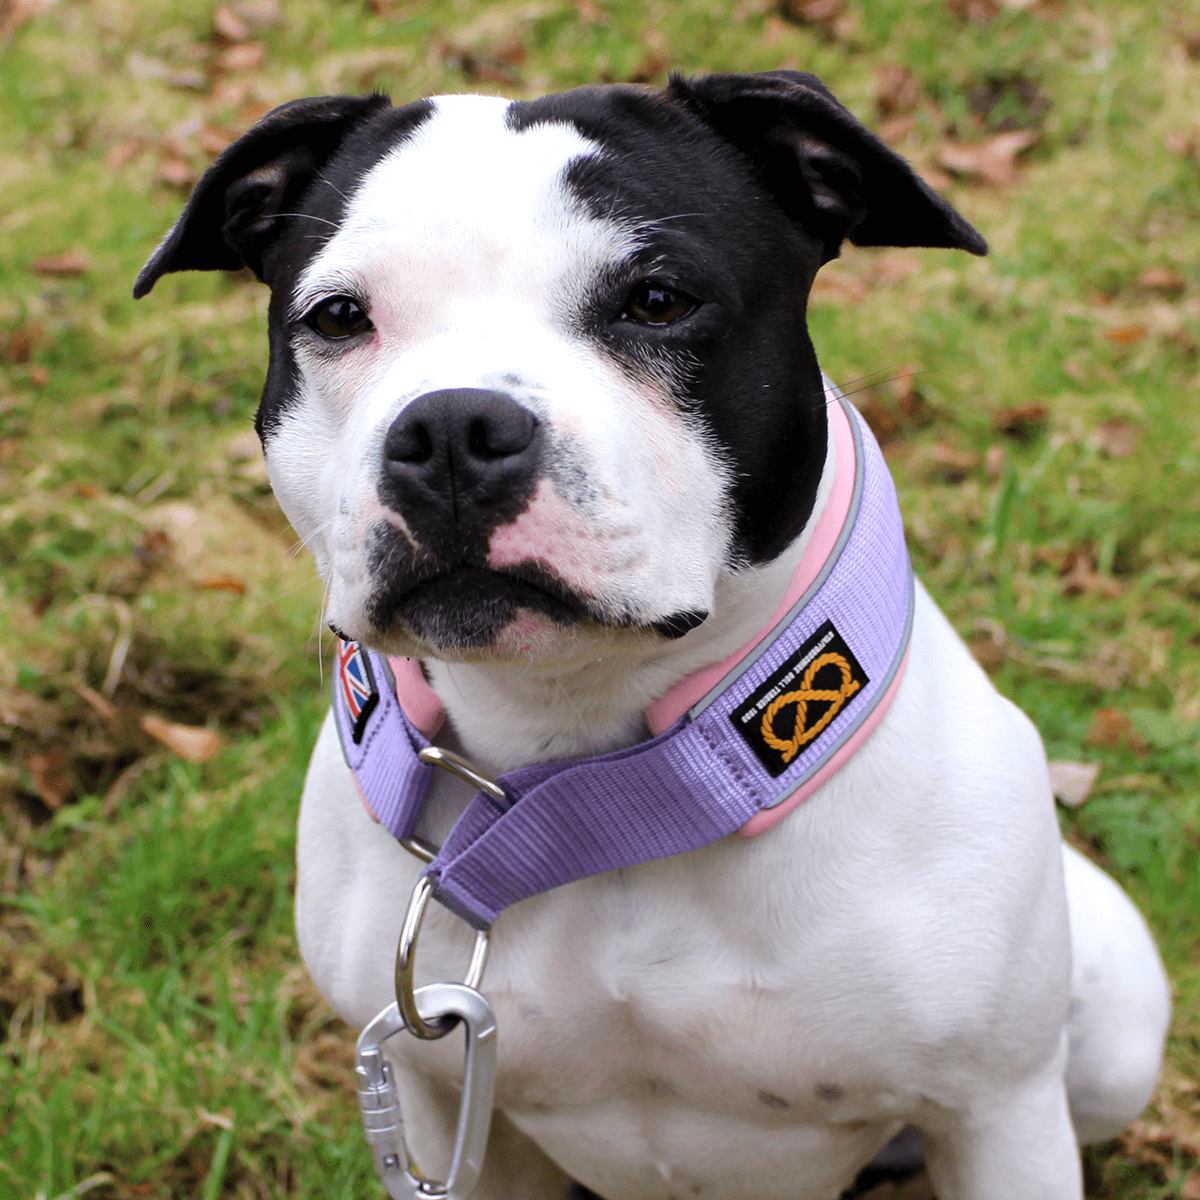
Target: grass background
{"points": [[1039, 407]]}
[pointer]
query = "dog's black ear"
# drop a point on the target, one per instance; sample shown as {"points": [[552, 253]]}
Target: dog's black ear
{"points": [[822, 165], [230, 217]]}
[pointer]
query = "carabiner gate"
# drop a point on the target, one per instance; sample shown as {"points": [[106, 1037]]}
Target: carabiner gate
{"points": [[379, 1099]]}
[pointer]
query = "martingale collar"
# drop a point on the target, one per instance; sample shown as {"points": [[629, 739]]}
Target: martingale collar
{"points": [[738, 745]]}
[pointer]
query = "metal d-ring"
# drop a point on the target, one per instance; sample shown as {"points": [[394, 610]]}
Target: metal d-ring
{"points": [[435, 756], [406, 953]]}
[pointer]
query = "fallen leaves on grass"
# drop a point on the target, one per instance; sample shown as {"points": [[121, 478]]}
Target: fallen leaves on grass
{"points": [[60, 266], [244, 56], [177, 171], [951, 465], [1006, 101], [1126, 335], [978, 12], [1021, 420], [49, 775], [228, 26], [1079, 575], [1113, 729], [222, 583], [14, 14], [897, 90], [21, 343], [196, 743], [894, 405], [1161, 280], [1071, 782], [993, 161], [807, 12], [1115, 439]]}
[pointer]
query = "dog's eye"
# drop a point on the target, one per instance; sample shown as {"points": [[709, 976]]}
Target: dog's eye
{"points": [[653, 304], [337, 318]]}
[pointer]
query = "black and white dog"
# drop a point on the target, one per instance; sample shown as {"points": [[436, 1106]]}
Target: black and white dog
{"points": [[543, 405]]}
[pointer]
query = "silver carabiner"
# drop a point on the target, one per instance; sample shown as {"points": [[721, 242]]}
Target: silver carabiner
{"points": [[379, 1099]]}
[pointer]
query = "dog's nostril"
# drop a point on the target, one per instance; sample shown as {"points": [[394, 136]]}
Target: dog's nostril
{"points": [[411, 443], [501, 435]]}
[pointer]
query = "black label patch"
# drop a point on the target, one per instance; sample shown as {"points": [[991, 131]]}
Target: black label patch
{"points": [[789, 710]]}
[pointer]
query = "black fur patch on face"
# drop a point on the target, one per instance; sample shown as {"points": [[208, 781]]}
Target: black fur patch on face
{"points": [[302, 237], [742, 362]]}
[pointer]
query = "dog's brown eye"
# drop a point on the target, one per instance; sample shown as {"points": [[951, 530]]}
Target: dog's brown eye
{"points": [[653, 304], [340, 317]]}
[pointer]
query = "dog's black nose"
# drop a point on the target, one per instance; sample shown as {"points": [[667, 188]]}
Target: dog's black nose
{"points": [[462, 455]]}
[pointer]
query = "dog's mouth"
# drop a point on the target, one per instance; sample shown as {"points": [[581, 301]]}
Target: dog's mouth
{"points": [[461, 605], [467, 607]]}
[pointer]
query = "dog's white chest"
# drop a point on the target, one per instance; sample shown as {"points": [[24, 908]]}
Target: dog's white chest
{"points": [[652, 1041]]}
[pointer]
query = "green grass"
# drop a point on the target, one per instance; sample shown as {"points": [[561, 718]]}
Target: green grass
{"points": [[160, 1038]]}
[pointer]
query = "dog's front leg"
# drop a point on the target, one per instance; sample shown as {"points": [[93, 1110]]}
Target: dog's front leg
{"points": [[1015, 1144]]}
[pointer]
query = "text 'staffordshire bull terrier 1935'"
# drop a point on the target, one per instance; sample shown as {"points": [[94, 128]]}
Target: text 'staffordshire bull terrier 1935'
{"points": [[543, 405]]}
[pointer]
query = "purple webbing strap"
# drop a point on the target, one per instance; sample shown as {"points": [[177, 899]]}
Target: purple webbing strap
{"points": [[701, 779]]}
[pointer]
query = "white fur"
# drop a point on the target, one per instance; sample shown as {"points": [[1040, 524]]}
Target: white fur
{"points": [[756, 1018]]}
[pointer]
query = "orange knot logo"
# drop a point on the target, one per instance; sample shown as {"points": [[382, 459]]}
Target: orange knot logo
{"points": [[835, 698]]}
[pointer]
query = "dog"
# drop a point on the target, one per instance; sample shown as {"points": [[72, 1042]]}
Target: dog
{"points": [[543, 405]]}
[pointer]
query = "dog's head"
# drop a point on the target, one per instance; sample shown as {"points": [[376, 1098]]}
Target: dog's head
{"points": [[539, 370]]}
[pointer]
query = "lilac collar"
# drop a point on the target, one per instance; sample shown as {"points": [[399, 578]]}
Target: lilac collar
{"points": [[738, 744]]}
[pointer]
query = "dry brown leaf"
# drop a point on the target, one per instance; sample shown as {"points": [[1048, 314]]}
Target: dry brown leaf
{"points": [[48, 772], [14, 14], [63, 266], [154, 548], [811, 12], [228, 26], [188, 80], [839, 287], [1189, 39], [952, 465], [21, 343], [122, 153], [884, 425], [978, 12], [1111, 728], [193, 742], [101, 706], [1161, 280], [896, 129], [897, 90], [1126, 335], [1021, 420], [1071, 782], [176, 171], [994, 161], [1115, 439], [212, 139], [222, 583], [258, 14], [1078, 573], [246, 56]]}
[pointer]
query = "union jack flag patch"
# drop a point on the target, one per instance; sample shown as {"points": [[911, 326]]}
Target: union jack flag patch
{"points": [[358, 686]]}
